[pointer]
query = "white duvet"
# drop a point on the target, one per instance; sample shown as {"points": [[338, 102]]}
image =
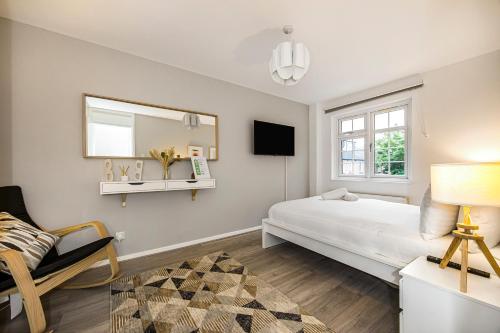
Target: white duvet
{"points": [[381, 230]]}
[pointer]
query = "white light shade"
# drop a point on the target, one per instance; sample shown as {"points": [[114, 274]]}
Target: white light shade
{"points": [[191, 120], [289, 63], [468, 184], [285, 54]]}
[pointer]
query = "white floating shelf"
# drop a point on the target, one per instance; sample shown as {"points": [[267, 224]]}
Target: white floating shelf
{"points": [[124, 188]]}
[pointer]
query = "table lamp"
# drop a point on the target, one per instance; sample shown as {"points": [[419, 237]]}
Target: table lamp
{"points": [[467, 185]]}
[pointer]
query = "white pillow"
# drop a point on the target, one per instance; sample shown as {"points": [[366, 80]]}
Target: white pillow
{"points": [[436, 219], [350, 197], [488, 220], [335, 194]]}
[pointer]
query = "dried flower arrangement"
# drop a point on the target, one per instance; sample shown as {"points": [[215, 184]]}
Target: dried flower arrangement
{"points": [[166, 158], [123, 170], [124, 173]]}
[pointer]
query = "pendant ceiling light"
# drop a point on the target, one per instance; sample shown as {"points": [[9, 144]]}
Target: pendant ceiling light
{"points": [[289, 61]]}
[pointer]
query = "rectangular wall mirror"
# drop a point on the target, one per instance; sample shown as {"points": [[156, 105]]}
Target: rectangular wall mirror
{"points": [[115, 128]]}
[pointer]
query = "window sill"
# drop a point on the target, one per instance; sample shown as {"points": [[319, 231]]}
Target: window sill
{"points": [[373, 180]]}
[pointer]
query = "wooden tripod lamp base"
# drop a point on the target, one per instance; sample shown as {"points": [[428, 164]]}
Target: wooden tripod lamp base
{"points": [[464, 234]]}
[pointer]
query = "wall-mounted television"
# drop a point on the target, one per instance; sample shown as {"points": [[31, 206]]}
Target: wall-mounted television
{"points": [[273, 139]]}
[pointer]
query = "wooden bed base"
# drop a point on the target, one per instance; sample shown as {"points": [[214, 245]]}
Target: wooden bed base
{"points": [[274, 234]]}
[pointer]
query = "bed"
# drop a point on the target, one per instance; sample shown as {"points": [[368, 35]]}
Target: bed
{"points": [[376, 236]]}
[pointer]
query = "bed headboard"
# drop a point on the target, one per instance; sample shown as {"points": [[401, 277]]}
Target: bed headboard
{"points": [[391, 198]]}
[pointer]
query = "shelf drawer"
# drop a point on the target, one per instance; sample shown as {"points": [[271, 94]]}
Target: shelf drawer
{"points": [[131, 187], [190, 184]]}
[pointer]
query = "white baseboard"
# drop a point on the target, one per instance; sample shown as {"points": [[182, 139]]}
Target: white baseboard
{"points": [[177, 246]]}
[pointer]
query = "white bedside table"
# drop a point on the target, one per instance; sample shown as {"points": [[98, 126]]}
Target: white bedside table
{"points": [[431, 302]]}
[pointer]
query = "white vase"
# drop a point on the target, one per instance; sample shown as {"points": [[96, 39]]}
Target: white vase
{"points": [[124, 178]]}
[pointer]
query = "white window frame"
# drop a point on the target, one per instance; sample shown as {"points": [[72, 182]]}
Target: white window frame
{"points": [[369, 113], [351, 135]]}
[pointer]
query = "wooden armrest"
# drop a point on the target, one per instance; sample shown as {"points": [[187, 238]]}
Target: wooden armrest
{"points": [[98, 226], [14, 261]]}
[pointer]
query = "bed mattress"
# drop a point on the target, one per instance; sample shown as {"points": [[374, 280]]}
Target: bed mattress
{"points": [[381, 230]]}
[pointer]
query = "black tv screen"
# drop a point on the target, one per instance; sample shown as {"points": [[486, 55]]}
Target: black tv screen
{"points": [[273, 139]]}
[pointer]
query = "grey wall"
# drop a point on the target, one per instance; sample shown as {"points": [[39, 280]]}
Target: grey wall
{"points": [[5, 107], [49, 73]]}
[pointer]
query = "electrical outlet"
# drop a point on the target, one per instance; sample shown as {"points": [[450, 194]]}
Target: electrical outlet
{"points": [[120, 235]]}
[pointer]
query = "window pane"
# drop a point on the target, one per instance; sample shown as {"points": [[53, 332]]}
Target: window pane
{"points": [[381, 120], [346, 145], [397, 168], [358, 124], [347, 155], [353, 168], [390, 153], [359, 155], [347, 167], [352, 157], [359, 144], [382, 168], [358, 168], [346, 126], [397, 154], [381, 156], [381, 141], [397, 118], [397, 139], [381, 153]]}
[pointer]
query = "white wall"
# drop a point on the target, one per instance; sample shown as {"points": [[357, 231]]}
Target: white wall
{"points": [[49, 73], [460, 107]]}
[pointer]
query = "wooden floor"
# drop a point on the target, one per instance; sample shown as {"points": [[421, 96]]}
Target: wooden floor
{"points": [[344, 298]]}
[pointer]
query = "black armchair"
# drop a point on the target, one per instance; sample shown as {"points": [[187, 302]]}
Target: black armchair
{"points": [[54, 269]]}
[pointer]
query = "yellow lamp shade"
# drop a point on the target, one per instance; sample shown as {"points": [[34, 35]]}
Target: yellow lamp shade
{"points": [[467, 184]]}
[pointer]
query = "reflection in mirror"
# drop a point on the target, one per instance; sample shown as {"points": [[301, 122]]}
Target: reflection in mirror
{"points": [[117, 128]]}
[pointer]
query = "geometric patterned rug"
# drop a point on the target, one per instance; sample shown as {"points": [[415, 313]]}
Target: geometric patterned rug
{"points": [[209, 294]]}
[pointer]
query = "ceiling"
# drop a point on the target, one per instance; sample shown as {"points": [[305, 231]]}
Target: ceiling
{"points": [[354, 44]]}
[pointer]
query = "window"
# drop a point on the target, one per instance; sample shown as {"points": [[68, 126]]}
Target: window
{"points": [[352, 146], [373, 143]]}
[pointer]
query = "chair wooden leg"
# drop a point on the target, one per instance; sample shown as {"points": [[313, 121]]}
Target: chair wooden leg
{"points": [[115, 272], [113, 260], [27, 289]]}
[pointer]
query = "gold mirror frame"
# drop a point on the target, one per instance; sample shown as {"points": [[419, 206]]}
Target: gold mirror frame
{"points": [[84, 126]]}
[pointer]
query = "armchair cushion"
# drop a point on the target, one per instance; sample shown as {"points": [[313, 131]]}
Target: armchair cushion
{"points": [[51, 265], [12, 201], [17, 235]]}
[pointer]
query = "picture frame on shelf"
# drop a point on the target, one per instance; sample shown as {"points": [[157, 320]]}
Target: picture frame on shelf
{"points": [[139, 165], [200, 167]]}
